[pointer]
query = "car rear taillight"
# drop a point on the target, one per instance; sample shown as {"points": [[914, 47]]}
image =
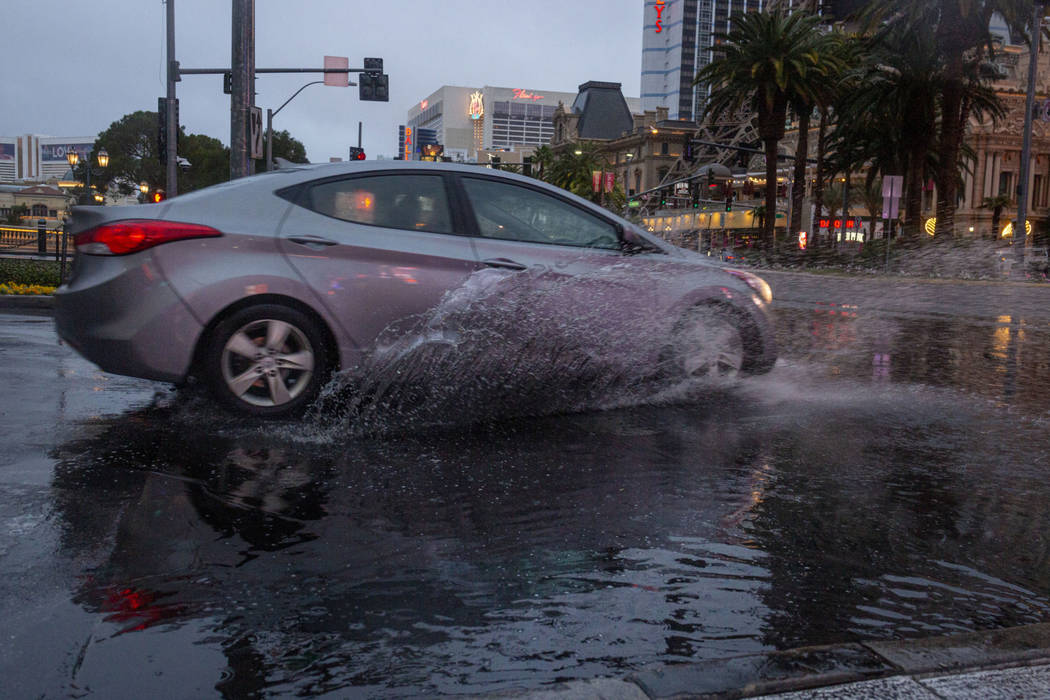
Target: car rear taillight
{"points": [[132, 236]]}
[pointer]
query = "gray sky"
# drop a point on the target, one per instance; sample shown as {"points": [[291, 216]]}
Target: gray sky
{"points": [[72, 67]]}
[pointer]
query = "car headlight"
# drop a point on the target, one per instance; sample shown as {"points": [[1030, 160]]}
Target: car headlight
{"points": [[759, 285]]}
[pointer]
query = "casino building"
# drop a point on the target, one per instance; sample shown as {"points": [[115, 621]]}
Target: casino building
{"points": [[466, 120], [35, 158]]}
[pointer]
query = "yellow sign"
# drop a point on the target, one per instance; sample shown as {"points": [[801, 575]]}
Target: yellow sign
{"points": [[1008, 231]]}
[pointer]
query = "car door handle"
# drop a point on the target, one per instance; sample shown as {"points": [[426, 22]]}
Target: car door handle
{"points": [[504, 264], [315, 242]]}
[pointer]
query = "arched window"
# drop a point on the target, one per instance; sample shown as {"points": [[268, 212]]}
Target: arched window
{"points": [[39, 210]]}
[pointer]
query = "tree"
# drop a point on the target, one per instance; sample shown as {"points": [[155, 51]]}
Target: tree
{"points": [[16, 214], [837, 54], [997, 204], [962, 40], [284, 146], [890, 120], [209, 162], [768, 60], [573, 172], [542, 159], [131, 142]]}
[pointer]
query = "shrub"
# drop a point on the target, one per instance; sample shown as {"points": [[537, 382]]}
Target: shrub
{"points": [[29, 272]]}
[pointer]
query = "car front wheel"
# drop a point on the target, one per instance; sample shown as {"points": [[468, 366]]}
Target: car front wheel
{"points": [[267, 360], [707, 344]]}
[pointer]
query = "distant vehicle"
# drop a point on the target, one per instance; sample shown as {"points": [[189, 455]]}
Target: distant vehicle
{"points": [[262, 287]]}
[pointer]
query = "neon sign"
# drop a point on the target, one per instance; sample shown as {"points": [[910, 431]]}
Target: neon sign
{"points": [[837, 223], [408, 143], [520, 94], [660, 5], [476, 109], [423, 104]]}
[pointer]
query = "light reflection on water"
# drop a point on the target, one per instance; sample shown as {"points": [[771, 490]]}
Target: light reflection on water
{"points": [[789, 511], [886, 480]]}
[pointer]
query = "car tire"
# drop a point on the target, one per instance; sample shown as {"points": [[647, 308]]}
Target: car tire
{"points": [[709, 344], [268, 361]]}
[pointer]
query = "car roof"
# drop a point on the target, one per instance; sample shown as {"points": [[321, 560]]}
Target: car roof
{"points": [[306, 172]]}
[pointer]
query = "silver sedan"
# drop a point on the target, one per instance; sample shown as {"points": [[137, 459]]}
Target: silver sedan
{"points": [[265, 286]]}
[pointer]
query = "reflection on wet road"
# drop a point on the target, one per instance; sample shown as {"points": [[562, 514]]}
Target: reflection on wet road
{"points": [[886, 480]]}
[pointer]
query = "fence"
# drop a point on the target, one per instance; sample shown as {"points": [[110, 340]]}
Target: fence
{"points": [[17, 241]]}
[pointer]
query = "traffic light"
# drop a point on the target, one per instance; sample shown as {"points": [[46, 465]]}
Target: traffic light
{"points": [[162, 128], [357, 153], [227, 83], [373, 87], [158, 196], [694, 195], [663, 198], [729, 200], [526, 165]]}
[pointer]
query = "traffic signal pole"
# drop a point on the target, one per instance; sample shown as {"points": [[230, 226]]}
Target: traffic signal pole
{"points": [[243, 13], [172, 128]]}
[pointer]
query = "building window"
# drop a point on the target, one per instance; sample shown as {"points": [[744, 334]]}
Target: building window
{"points": [[39, 210], [663, 148], [1004, 182]]}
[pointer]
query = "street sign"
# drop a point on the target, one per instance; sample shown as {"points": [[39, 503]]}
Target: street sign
{"points": [[255, 142], [891, 195], [336, 79]]}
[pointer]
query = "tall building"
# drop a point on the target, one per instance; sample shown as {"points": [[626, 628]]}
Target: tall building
{"points": [[38, 158], [467, 119], [680, 38]]}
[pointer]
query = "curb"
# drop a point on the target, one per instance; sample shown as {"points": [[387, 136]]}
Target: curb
{"points": [[27, 302], [808, 668]]}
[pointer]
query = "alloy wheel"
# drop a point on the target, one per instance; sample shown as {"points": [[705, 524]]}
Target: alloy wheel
{"points": [[267, 362]]}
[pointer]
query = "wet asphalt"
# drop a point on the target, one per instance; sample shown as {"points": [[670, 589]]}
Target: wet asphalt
{"points": [[886, 481]]}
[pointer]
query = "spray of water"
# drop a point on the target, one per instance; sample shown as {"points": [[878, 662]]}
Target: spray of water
{"points": [[506, 345]]}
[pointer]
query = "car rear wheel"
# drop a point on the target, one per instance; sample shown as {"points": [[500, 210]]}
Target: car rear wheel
{"points": [[267, 360], [707, 344]]}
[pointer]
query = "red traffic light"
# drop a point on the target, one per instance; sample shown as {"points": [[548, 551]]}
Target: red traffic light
{"points": [[361, 155], [357, 153]]}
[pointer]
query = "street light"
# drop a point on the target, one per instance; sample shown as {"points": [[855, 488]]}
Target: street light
{"points": [[102, 158]]}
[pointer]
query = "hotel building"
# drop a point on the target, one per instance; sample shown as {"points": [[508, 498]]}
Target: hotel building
{"points": [[466, 120]]}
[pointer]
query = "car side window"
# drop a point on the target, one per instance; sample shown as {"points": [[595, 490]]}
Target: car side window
{"points": [[516, 213], [409, 202]]}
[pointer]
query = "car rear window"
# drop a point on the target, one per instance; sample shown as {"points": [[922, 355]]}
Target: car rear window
{"points": [[408, 202]]}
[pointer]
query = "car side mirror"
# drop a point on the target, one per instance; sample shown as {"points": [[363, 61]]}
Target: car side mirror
{"points": [[633, 244]]}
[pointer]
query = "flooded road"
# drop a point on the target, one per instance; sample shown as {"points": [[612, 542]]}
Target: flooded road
{"points": [[886, 480]]}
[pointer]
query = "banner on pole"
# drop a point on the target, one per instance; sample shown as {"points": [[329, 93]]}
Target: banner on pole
{"points": [[610, 181], [596, 179]]}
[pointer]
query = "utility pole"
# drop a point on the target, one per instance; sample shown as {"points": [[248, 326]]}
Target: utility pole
{"points": [[1021, 225], [242, 66], [172, 134]]}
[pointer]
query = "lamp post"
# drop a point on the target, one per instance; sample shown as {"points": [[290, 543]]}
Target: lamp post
{"points": [[102, 157]]}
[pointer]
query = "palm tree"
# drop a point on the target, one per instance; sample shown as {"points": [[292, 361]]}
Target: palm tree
{"points": [[890, 121], [997, 204], [837, 53], [962, 39], [542, 158], [768, 60]]}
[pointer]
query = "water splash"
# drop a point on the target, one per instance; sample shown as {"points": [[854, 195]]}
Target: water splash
{"points": [[505, 345]]}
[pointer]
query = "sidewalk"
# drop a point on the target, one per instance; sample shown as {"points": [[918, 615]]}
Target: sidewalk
{"points": [[1008, 663], [27, 303]]}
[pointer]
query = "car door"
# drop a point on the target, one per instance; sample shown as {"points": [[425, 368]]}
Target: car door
{"points": [[574, 278], [378, 247]]}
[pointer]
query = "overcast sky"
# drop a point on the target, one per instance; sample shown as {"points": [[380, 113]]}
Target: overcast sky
{"points": [[72, 67]]}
